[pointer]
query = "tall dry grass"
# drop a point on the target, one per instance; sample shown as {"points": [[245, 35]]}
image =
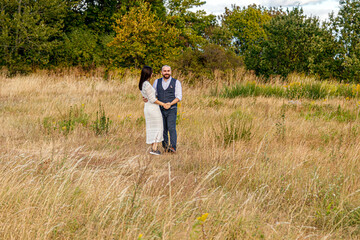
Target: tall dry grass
{"points": [[262, 168]]}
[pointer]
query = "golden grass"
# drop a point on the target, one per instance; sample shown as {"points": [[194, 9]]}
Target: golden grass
{"points": [[295, 177]]}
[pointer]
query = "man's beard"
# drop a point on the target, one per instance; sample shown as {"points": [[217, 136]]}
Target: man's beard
{"points": [[166, 76]]}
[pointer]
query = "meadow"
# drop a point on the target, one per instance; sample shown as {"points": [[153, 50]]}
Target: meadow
{"points": [[255, 160]]}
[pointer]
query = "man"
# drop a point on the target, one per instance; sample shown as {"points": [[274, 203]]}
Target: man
{"points": [[168, 90]]}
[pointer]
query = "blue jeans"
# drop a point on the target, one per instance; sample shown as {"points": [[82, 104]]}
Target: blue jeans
{"points": [[169, 120]]}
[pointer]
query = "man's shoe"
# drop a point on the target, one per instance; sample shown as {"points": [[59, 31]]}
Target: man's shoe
{"points": [[171, 150], [157, 152]]}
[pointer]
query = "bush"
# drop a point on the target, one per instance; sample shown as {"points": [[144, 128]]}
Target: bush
{"points": [[294, 90], [204, 62], [237, 126]]}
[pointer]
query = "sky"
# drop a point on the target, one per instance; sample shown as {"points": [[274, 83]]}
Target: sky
{"points": [[319, 8]]}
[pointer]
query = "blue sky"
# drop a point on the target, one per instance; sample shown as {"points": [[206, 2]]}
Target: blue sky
{"points": [[319, 8]]}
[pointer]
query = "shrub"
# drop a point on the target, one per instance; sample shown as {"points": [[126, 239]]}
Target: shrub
{"points": [[101, 123], [204, 62], [237, 126]]}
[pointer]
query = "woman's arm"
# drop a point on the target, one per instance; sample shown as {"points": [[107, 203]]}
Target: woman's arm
{"points": [[160, 103], [150, 93]]}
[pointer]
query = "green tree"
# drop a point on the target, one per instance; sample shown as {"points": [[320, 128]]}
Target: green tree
{"points": [[29, 32], [298, 43], [203, 62], [346, 27], [89, 27], [100, 15], [142, 38], [246, 25], [193, 26]]}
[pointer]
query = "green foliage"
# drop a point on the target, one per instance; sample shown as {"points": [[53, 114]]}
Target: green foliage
{"points": [[128, 33], [102, 122], [295, 43], [252, 89], [29, 32], [181, 7], [211, 57], [332, 211], [295, 90], [246, 25], [77, 117], [142, 38], [328, 113], [196, 28], [313, 90], [346, 29], [140, 121], [99, 15], [67, 123], [81, 48], [238, 126]]}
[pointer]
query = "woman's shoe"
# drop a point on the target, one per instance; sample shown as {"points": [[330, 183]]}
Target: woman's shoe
{"points": [[153, 152]]}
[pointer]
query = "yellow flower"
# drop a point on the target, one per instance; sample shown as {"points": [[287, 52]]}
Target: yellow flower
{"points": [[347, 98], [64, 128], [203, 218], [140, 236]]}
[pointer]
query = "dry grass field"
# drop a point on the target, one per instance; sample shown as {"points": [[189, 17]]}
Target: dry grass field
{"points": [[246, 167]]}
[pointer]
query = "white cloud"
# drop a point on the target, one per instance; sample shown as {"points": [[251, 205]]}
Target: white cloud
{"points": [[319, 8], [290, 3]]}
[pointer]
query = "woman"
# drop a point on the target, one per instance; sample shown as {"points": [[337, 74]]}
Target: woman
{"points": [[153, 117]]}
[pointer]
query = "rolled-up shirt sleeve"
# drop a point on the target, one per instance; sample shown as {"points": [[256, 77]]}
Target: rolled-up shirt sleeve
{"points": [[155, 86], [178, 90], [150, 93]]}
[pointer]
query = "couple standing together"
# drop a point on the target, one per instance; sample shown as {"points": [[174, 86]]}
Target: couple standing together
{"points": [[160, 121]]}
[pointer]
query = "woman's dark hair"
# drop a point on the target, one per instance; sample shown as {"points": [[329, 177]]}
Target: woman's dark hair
{"points": [[145, 75]]}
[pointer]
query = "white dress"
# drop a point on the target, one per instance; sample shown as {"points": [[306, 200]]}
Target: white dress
{"points": [[153, 117]]}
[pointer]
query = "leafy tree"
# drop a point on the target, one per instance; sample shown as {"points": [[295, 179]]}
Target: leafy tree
{"points": [[181, 7], [203, 62], [29, 32], [193, 26], [246, 25], [296, 43], [89, 27], [219, 35], [81, 48], [99, 15], [346, 27], [142, 38]]}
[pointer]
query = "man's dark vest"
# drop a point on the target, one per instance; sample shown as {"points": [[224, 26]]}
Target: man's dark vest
{"points": [[167, 95]]}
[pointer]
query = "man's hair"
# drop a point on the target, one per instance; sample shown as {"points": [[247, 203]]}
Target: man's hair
{"points": [[165, 66]]}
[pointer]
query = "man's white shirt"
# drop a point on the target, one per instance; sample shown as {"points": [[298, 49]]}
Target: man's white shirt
{"points": [[165, 85]]}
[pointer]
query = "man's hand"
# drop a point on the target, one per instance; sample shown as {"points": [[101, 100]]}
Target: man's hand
{"points": [[167, 105], [145, 99]]}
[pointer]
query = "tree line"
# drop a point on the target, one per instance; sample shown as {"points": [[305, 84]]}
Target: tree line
{"points": [[130, 33]]}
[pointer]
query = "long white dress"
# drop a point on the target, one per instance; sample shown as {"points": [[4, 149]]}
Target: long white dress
{"points": [[153, 117]]}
